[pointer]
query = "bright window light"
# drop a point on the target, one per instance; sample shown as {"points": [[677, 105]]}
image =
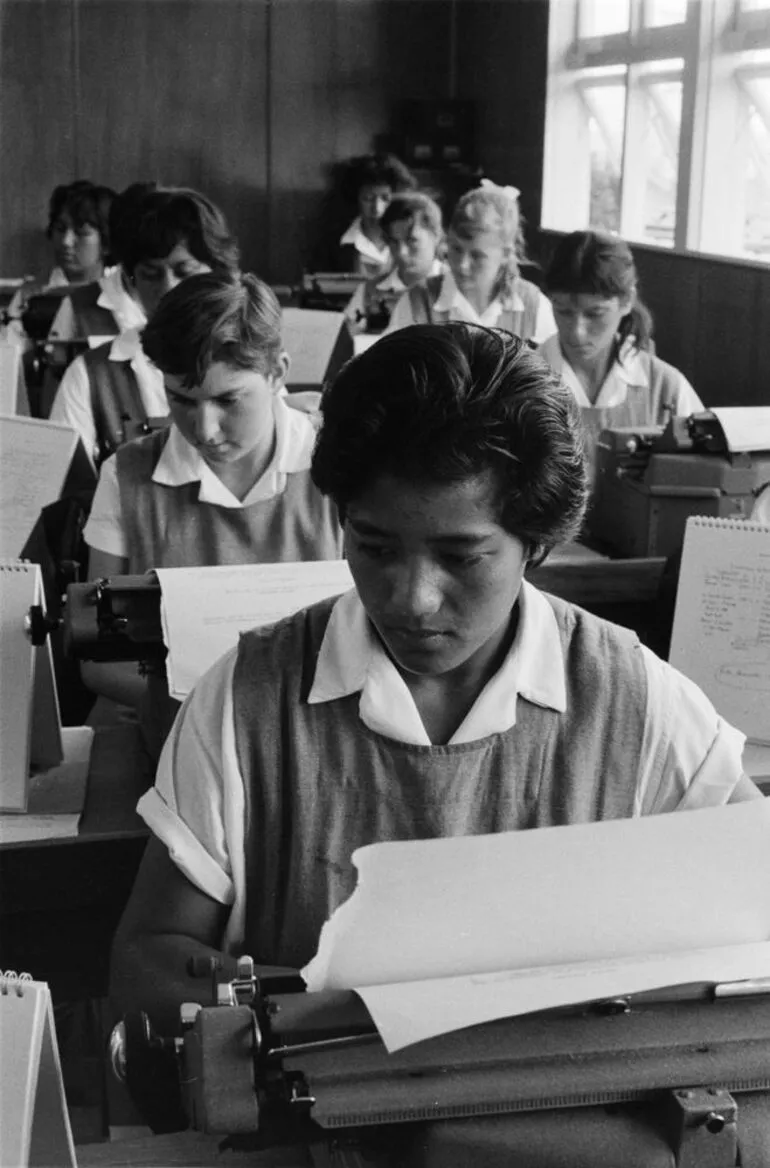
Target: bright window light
{"points": [[755, 123], [605, 109], [659, 13], [604, 17], [658, 123], [660, 146]]}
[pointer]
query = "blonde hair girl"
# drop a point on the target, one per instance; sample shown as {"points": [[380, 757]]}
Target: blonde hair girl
{"points": [[485, 248]]}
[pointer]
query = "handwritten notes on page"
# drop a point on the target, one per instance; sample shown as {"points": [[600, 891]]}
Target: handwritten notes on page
{"points": [[745, 427], [721, 633], [204, 610], [37, 459], [442, 934]]}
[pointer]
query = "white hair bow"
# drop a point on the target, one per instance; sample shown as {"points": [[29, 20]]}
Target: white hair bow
{"points": [[511, 192]]}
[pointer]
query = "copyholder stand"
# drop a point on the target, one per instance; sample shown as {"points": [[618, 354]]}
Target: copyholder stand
{"points": [[34, 1122], [30, 727]]}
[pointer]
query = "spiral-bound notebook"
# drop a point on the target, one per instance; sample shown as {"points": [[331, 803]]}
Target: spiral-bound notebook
{"points": [[34, 1121], [721, 634]]}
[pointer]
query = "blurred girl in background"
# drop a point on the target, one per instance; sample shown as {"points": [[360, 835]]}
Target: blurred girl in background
{"points": [[603, 347], [485, 248], [412, 227], [370, 183]]}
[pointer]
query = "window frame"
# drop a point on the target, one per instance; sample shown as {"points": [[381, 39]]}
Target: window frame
{"points": [[709, 43]]}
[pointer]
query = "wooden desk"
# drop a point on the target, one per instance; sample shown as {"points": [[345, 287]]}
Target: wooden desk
{"points": [[184, 1150], [635, 593], [62, 898], [589, 579]]}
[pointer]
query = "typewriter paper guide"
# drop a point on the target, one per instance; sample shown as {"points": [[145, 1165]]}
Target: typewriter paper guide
{"points": [[442, 934]]}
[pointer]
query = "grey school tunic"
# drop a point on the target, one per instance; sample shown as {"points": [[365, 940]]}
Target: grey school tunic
{"points": [[520, 321], [168, 527], [319, 783], [116, 402]]}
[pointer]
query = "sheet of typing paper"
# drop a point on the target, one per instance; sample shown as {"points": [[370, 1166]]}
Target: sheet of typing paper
{"points": [[204, 610], [442, 934], [745, 427], [309, 336]]}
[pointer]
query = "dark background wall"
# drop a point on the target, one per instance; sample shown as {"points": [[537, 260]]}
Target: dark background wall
{"points": [[249, 100], [254, 100]]}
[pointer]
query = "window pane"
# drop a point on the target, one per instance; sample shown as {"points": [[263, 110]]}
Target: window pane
{"points": [[756, 232], [606, 108], [604, 17], [663, 100], [658, 13], [754, 5]]}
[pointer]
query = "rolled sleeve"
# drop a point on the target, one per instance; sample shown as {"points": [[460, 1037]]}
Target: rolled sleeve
{"points": [[691, 757], [72, 405], [197, 807], [687, 400], [184, 847], [105, 530]]}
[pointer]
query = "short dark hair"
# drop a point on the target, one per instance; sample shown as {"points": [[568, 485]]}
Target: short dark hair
{"points": [[86, 203], [414, 207], [215, 317], [376, 170], [599, 264], [441, 403], [125, 215], [174, 215]]}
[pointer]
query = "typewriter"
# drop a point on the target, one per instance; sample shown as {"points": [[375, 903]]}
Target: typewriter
{"points": [[635, 1082], [649, 480]]}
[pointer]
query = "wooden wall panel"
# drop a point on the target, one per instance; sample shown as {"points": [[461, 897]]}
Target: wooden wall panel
{"points": [[339, 69], [710, 320], [312, 83], [176, 90], [502, 52], [250, 100], [36, 126]]}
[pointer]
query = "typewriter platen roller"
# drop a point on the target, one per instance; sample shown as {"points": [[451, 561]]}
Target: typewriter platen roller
{"points": [[682, 1083]]}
